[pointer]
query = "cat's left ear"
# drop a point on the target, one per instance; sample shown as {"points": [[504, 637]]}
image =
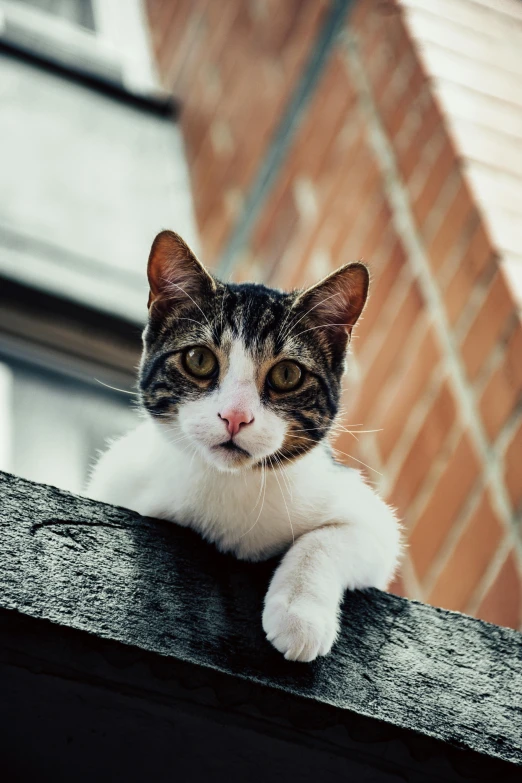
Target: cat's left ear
{"points": [[338, 300], [175, 273]]}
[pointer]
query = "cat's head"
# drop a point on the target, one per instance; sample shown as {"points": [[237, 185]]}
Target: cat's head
{"points": [[240, 373]]}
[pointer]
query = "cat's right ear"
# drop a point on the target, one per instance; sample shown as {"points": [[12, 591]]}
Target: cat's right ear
{"points": [[175, 273]]}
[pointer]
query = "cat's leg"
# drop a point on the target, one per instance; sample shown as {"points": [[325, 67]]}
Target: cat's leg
{"points": [[301, 611]]}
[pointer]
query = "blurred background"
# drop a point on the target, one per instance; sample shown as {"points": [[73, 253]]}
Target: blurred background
{"points": [[281, 139]]}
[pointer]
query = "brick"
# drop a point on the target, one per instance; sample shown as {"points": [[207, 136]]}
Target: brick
{"points": [[317, 151], [407, 102], [339, 99], [214, 234], [281, 233], [211, 56], [469, 559], [373, 215], [407, 82], [282, 21], [425, 448], [497, 402], [400, 64], [363, 16], [181, 56], [382, 42], [456, 217], [503, 392], [411, 380], [380, 290], [427, 125], [405, 315], [170, 32], [375, 231], [349, 136], [407, 121], [263, 228], [337, 204], [353, 206], [502, 604], [194, 125], [476, 258], [436, 173], [513, 467], [301, 31], [487, 326], [441, 512], [397, 587]]}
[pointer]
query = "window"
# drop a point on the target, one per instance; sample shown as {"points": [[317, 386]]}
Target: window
{"points": [[79, 12], [53, 425], [92, 168], [107, 38]]}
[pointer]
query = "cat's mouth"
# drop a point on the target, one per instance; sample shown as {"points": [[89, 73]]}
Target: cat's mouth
{"points": [[229, 445]]}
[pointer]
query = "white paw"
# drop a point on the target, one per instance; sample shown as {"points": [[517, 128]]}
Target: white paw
{"points": [[301, 630]]}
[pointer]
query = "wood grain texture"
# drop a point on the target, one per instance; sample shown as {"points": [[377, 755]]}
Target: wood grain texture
{"points": [[161, 590]]}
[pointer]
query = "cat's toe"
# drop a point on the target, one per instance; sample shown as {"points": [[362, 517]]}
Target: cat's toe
{"points": [[301, 631]]}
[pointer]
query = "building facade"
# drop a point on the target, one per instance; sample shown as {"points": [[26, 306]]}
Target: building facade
{"points": [[317, 133]]}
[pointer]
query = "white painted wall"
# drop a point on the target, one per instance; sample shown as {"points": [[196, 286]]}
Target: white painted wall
{"points": [[86, 182]]}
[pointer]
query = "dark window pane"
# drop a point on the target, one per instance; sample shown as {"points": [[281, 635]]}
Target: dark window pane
{"points": [[52, 427], [78, 12]]}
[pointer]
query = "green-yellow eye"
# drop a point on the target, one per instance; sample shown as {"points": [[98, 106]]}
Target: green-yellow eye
{"points": [[200, 362], [285, 376]]}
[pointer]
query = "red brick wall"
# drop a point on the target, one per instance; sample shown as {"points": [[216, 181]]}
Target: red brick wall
{"points": [[377, 171], [233, 65]]}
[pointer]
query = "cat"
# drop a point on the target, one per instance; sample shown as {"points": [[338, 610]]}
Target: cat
{"points": [[240, 386]]}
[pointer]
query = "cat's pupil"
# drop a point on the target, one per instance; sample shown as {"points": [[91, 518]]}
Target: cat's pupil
{"points": [[285, 376], [200, 362]]}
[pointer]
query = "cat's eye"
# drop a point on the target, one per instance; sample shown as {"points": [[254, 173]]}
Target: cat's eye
{"points": [[200, 362], [285, 376]]}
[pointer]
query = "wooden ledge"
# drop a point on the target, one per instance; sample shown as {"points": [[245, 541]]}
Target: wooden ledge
{"points": [[133, 650]]}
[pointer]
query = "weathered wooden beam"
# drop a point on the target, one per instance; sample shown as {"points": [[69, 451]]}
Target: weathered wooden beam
{"points": [[133, 650]]}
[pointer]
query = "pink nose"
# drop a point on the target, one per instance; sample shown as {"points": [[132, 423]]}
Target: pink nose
{"points": [[235, 419]]}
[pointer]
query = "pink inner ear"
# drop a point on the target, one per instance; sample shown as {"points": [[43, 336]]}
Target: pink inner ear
{"points": [[173, 270], [339, 300]]}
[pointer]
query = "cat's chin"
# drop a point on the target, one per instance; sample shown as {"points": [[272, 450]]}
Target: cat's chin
{"points": [[228, 460]]}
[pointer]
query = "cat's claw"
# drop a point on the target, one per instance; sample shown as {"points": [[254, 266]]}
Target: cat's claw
{"points": [[302, 630]]}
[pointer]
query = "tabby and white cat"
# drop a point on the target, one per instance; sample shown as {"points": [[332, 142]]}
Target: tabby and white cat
{"points": [[240, 385]]}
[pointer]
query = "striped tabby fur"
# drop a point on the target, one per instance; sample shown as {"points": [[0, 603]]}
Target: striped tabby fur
{"points": [[240, 386]]}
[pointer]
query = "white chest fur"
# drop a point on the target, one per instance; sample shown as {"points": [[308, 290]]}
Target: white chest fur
{"points": [[254, 513], [345, 535]]}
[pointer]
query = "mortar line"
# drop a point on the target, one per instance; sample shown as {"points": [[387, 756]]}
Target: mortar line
{"points": [[284, 135], [403, 219]]}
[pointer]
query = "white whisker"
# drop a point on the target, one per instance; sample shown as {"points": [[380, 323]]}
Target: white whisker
{"points": [[263, 487], [321, 326], [114, 388], [169, 282], [222, 310], [350, 456], [284, 477], [294, 324], [274, 473], [344, 453], [178, 440]]}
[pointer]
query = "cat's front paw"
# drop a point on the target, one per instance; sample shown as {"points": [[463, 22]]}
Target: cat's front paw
{"points": [[302, 629]]}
